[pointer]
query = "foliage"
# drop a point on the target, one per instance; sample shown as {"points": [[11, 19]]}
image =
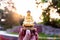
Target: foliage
{"points": [[43, 1], [1, 11], [56, 3], [46, 16], [55, 23], [12, 19], [1, 14], [58, 11]]}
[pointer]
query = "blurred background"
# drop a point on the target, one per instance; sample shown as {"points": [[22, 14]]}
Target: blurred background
{"points": [[12, 12], [45, 13]]}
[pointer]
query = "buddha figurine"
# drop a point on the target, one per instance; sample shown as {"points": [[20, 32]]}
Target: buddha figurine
{"points": [[28, 19], [28, 32]]}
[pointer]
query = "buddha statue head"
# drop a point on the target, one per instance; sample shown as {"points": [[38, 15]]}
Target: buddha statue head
{"points": [[28, 13]]}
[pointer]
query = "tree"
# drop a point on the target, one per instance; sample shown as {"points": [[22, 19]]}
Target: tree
{"points": [[46, 15], [44, 1], [13, 19], [56, 3], [58, 11], [1, 16]]}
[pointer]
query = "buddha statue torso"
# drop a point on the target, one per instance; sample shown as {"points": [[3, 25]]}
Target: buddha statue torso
{"points": [[28, 19]]}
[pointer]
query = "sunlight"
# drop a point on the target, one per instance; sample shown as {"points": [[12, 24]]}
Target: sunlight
{"points": [[23, 6], [54, 14]]}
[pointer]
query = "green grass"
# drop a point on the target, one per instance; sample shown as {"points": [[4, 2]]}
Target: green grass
{"points": [[44, 35], [14, 33]]}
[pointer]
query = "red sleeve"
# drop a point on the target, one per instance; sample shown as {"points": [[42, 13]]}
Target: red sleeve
{"points": [[36, 34], [21, 34]]}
